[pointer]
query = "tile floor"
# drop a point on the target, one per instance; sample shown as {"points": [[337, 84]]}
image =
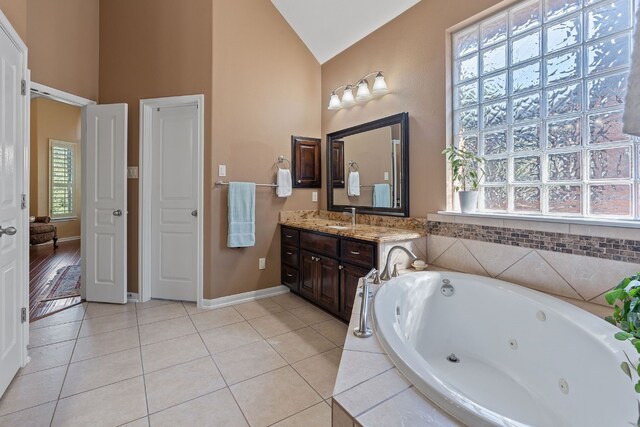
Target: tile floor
{"points": [[164, 363]]}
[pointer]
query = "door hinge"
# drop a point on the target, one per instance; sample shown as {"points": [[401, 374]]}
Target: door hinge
{"points": [[23, 314], [23, 87], [23, 201]]}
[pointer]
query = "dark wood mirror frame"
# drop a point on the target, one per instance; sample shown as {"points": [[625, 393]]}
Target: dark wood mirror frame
{"points": [[403, 120]]}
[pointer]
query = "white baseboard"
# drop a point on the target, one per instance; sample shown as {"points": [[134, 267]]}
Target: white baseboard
{"points": [[68, 239], [244, 297], [132, 297]]}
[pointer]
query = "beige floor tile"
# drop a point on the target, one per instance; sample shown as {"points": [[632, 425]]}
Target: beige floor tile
{"points": [[333, 330], [248, 361], [32, 417], [192, 308], [168, 353], [163, 312], [180, 383], [99, 310], [320, 371], [213, 410], [276, 324], [289, 301], [142, 422], [310, 314], [48, 356], [153, 303], [300, 344], [73, 314], [261, 307], [317, 416], [113, 322], [53, 334], [112, 405], [101, 371], [229, 337], [166, 329], [107, 343], [274, 396], [211, 319], [32, 390], [340, 417]]}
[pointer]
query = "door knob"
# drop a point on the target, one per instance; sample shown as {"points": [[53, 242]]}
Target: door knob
{"points": [[117, 213], [9, 231], [194, 212]]}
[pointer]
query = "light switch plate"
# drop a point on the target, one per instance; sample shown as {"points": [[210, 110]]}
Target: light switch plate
{"points": [[314, 196], [262, 263], [222, 170], [132, 172], [386, 176]]}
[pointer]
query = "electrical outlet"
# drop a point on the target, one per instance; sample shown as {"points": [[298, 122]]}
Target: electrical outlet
{"points": [[262, 263], [222, 170], [314, 196], [386, 176], [132, 172]]}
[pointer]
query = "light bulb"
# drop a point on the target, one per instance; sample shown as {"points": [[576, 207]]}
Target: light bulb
{"points": [[347, 97], [334, 102], [363, 91], [379, 85]]}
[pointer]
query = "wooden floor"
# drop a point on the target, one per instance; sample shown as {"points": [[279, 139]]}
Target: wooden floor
{"points": [[44, 262]]}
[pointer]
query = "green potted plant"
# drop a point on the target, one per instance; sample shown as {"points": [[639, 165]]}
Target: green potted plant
{"points": [[466, 169], [625, 299]]}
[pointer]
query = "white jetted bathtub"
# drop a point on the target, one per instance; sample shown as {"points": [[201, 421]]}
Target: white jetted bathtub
{"points": [[492, 353]]}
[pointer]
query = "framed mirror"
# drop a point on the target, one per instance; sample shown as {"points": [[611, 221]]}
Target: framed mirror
{"points": [[368, 167]]}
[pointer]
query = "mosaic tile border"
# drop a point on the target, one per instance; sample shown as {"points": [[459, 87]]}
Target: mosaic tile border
{"points": [[591, 246]]}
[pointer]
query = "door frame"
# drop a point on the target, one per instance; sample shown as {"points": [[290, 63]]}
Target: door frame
{"points": [[77, 101], [23, 259], [144, 200]]}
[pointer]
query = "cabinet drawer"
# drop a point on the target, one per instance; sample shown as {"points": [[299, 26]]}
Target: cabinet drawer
{"points": [[290, 256], [289, 236], [290, 277], [358, 253], [319, 244]]}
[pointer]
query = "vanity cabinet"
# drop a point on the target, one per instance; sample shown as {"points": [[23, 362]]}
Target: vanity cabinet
{"points": [[325, 269]]}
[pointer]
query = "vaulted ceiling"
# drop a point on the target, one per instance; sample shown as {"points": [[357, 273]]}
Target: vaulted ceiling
{"points": [[328, 27]]}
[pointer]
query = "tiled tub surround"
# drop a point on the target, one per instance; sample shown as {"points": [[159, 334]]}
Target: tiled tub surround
{"points": [[370, 391], [572, 261]]}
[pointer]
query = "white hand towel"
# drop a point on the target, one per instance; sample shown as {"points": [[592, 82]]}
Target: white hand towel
{"points": [[631, 117], [284, 183], [353, 189]]}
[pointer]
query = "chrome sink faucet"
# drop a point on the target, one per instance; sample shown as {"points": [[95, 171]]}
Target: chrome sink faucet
{"points": [[385, 273], [352, 212]]}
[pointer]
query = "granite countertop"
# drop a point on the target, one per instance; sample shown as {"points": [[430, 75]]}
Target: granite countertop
{"points": [[371, 391], [371, 233]]}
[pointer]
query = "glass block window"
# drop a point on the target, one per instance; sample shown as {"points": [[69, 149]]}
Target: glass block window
{"points": [[538, 92], [61, 179]]}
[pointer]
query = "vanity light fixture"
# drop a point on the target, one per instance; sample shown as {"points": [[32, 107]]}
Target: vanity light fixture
{"points": [[363, 93]]}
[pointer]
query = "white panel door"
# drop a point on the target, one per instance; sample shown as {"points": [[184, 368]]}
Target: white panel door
{"points": [[104, 236], [13, 229], [174, 200]]}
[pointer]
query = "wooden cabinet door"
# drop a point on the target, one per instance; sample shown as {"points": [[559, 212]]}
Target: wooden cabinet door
{"points": [[328, 285], [306, 162], [349, 277], [308, 275], [337, 164]]}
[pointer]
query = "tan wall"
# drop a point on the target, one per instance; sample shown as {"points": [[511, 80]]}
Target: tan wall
{"points": [[267, 87], [411, 52], [16, 13], [62, 38], [151, 49], [52, 120]]}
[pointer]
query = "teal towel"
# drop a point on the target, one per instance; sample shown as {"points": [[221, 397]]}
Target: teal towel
{"points": [[381, 196], [242, 215]]}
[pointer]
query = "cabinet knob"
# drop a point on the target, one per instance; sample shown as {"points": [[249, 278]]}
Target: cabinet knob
{"points": [[299, 181], [340, 267]]}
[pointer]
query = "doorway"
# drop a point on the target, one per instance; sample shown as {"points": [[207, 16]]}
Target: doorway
{"points": [[171, 202], [55, 213]]}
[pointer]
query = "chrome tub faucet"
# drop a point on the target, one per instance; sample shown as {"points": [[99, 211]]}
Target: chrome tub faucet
{"points": [[385, 273], [363, 330]]}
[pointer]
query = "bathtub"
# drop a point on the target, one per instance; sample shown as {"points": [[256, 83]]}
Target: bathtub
{"points": [[497, 354]]}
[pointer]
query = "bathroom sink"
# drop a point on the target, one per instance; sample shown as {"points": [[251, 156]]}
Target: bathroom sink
{"points": [[339, 227]]}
